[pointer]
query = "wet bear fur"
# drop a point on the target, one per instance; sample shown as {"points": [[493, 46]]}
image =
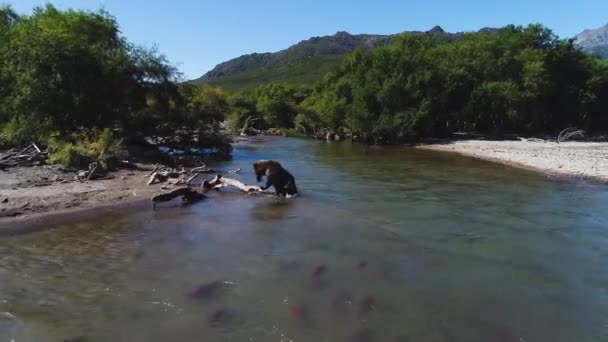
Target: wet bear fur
{"points": [[276, 176]]}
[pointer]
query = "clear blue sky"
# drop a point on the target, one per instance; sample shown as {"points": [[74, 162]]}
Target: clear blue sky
{"points": [[197, 34]]}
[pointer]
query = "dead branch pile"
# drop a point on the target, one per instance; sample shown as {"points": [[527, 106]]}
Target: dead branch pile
{"points": [[220, 182], [246, 130], [161, 174], [570, 133], [90, 173], [29, 156]]}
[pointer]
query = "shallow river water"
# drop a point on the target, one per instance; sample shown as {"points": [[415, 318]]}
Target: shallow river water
{"points": [[384, 244]]}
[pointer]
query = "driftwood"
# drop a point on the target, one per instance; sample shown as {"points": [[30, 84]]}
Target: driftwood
{"points": [[249, 120], [157, 176], [191, 179], [160, 174], [530, 139], [200, 169], [305, 131], [156, 167], [29, 156], [92, 169], [570, 133], [220, 182], [163, 176], [187, 194], [203, 169], [92, 173]]}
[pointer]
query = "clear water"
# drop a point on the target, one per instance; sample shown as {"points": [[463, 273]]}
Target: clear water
{"points": [[417, 246]]}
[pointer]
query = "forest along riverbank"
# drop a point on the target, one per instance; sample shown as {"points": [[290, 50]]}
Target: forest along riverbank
{"points": [[586, 160], [34, 191]]}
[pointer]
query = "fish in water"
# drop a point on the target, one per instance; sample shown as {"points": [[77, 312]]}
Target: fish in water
{"points": [[318, 271], [300, 314], [362, 264], [368, 304], [219, 318], [207, 291]]}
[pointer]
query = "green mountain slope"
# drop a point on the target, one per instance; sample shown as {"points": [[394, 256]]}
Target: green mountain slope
{"points": [[303, 63], [307, 72], [340, 43]]}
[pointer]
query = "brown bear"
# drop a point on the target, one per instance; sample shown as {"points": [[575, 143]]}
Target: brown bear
{"points": [[276, 176]]}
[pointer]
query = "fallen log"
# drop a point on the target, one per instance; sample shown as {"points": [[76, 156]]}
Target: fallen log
{"points": [[12, 159], [249, 120], [92, 169], [187, 194], [204, 170], [95, 172], [157, 176], [201, 169], [570, 133], [191, 179], [221, 182], [156, 166], [8, 154], [164, 176]]}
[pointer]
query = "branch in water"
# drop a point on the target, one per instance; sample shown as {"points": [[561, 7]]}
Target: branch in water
{"points": [[221, 182]]}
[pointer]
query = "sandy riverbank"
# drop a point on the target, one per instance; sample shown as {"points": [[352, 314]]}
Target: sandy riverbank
{"points": [[29, 193], [572, 159]]}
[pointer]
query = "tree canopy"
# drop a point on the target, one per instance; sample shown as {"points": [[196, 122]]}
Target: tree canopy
{"points": [[519, 80], [67, 71]]}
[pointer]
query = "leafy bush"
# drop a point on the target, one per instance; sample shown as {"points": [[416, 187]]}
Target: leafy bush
{"points": [[290, 132], [64, 72], [83, 148], [20, 131]]}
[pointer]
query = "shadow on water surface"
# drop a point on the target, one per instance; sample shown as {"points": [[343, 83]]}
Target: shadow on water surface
{"points": [[384, 244]]}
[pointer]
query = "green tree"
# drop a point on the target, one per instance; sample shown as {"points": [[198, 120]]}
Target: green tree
{"points": [[66, 72], [516, 80]]}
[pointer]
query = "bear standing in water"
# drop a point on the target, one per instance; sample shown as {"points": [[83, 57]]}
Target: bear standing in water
{"points": [[276, 176]]}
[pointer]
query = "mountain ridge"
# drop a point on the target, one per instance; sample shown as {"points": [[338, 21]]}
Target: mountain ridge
{"points": [[305, 61], [593, 41], [340, 43]]}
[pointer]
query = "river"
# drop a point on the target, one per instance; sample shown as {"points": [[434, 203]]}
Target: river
{"points": [[383, 244]]}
